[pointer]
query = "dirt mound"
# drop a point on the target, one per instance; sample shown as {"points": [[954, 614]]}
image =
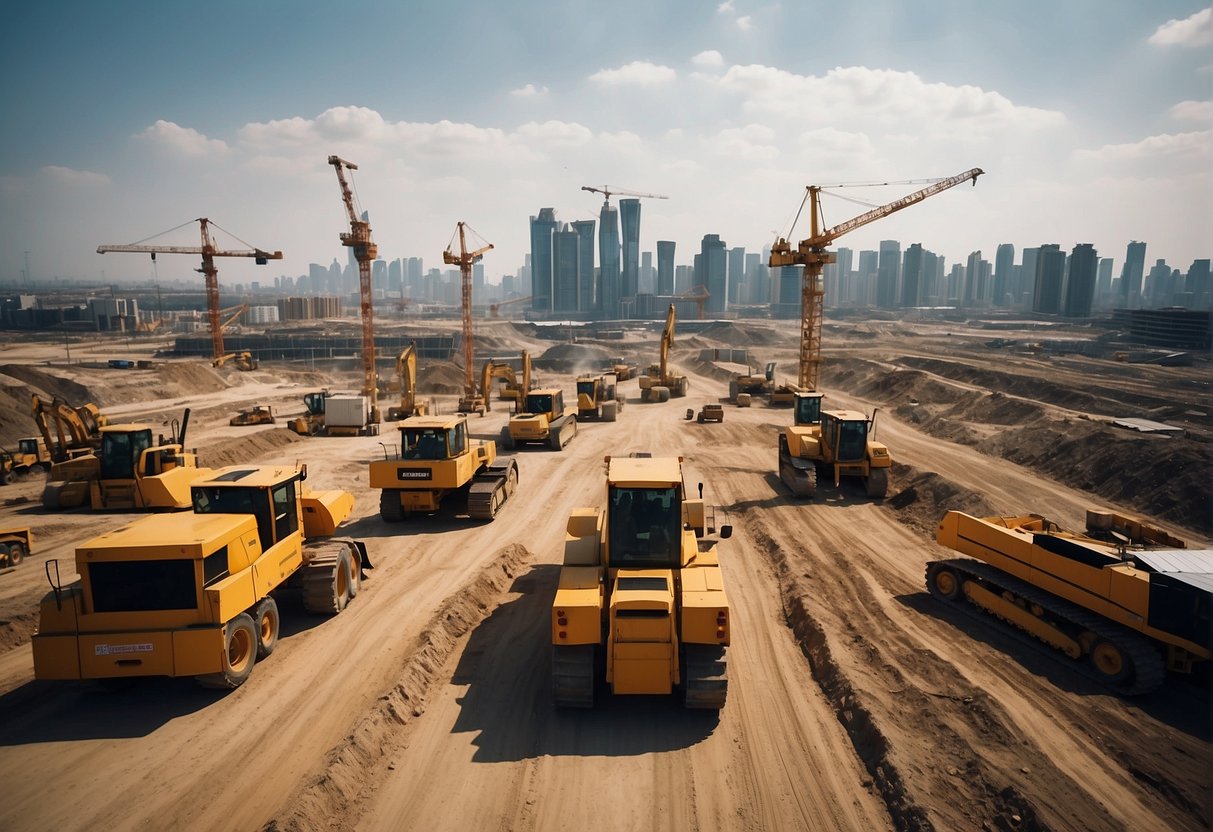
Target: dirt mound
{"points": [[246, 448], [925, 496], [574, 358], [440, 377]]}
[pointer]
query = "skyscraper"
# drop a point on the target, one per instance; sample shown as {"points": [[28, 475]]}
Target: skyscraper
{"points": [[629, 216], [565, 263], [1131, 274], [1004, 264], [542, 228], [713, 273], [608, 260], [1103, 283], [1080, 281], [886, 273], [911, 277], [972, 293], [1027, 279], [665, 267], [1050, 276], [587, 296], [736, 273]]}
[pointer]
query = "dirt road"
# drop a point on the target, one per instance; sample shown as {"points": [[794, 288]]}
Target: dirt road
{"points": [[855, 700]]}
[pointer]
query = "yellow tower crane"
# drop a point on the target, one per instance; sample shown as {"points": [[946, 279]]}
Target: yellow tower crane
{"points": [[365, 251], [473, 400], [209, 252]]}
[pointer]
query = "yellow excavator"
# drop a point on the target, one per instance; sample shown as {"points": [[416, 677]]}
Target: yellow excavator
{"points": [[514, 385], [658, 384], [1124, 600], [67, 430], [406, 372], [240, 360], [641, 601]]}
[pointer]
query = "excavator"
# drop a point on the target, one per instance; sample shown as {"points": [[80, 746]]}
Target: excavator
{"points": [[658, 384], [240, 360], [513, 388], [840, 440], [67, 431], [406, 372]]}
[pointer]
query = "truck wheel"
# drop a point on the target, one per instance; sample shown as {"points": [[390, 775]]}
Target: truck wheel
{"points": [[877, 484], [1113, 664], [239, 654], [943, 583], [610, 411], [507, 441], [265, 616], [389, 506], [16, 554], [326, 582]]}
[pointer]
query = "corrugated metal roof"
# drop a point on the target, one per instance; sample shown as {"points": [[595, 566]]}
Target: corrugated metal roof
{"points": [[1146, 426], [1192, 566]]}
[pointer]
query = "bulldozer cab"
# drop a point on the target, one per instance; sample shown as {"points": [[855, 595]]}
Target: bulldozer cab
{"points": [[433, 442], [275, 506], [588, 387], [644, 527], [121, 450], [29, 447], [551, 403], [848, 436], [806, 408], [314, 402]]}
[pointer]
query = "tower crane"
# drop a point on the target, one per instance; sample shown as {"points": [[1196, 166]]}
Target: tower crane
{"points": [[812, 255], [607, 191], [472, 400], [209, 253], [365, 251]]}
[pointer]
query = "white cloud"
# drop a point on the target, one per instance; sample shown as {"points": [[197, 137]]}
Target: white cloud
{"points": [[637, 73], [708, 57], [70, 176], [556, 133], [1181, 147], [725, 7], [1193, 111], [529, 91], [183, 141], [745, 23], [1196, 30]]}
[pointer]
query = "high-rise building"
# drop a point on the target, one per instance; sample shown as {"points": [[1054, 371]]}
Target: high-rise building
{"points": [[1027, 279], [565, 269], [911, 277], [887, 273], [1103, 284], [1050, 277], [787, 301], [736, 274], [1080, 281], [971, 292], [865, 279], [608, 260], [1004, 265], [932, 277], [1197, 288], [753, 264], [684, 276], [542, 228], [665, 267], [587, 296], [1131, 275], [629, 217], [839, 292], [1159, 285], [713, 273]]}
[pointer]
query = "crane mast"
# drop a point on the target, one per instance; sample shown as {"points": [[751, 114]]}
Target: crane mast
{"points": [[812, 255], [211, 274], [472, 400], [365, 251]]}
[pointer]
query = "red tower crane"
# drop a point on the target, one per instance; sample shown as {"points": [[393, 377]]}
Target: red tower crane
{"points": [[209, 253], [473, 400], [811, 253], [365, 251]]}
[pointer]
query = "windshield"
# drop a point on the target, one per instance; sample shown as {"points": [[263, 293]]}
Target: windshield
{"points": [[120, 452], [645, 527], [808, 410], [852, 440], [539, 403], [585, 388], [233, 500], [423, 443], [28, 446]]}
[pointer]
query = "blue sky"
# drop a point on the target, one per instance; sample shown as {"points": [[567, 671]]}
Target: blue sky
{"points": [[1093, 120]]}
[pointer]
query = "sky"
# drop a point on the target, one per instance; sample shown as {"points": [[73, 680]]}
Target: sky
{"points": [[1092, 119]]}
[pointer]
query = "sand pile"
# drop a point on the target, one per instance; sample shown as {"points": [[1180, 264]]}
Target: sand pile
{"points": [[245, 448], [573, 358], [440, 377]]}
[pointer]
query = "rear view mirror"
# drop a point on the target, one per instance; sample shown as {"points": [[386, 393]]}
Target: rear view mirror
{"points": [[726, 531]]}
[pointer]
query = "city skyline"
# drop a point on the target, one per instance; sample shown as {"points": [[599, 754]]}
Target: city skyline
{"points": [[123, 133]]}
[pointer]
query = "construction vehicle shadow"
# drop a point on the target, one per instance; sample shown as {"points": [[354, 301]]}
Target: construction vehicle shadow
{"points": [[1183, 703], [506, 666], [446, 519]]}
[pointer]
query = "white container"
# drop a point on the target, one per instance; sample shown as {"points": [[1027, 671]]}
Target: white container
{"points": [[346, 411]]}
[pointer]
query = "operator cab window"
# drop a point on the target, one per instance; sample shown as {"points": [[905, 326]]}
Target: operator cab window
{"points": [[286, 517], [539, 403], [458, 438], [645, 527]]}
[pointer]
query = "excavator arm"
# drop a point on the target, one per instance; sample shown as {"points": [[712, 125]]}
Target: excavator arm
{"points": [[406, 371], [667, 341]]}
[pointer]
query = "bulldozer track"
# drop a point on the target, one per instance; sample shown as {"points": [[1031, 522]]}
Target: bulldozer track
{"points": [[705, 676], [573, 676], [1148, 669], [491, 489]]}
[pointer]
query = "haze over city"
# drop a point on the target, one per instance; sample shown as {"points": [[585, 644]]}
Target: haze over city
{"points": [[1092, 121]]}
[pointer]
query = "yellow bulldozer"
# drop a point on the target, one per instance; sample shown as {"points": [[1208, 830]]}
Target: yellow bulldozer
{"points": [[832, 443], [544, 420], [194, 595], [261, 414], [658, 383], [597, 399], [437, 459], [641, 602], [31, 457], [1125, 601]]}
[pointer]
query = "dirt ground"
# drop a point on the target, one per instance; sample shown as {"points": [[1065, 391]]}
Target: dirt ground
{"points": [[856, 701]]}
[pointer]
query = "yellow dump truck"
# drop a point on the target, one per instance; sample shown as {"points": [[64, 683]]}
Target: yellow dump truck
{"points": [[544, 420], [15, 543], [437, 460], [641, 600], [194, 594], [1124, 600]]}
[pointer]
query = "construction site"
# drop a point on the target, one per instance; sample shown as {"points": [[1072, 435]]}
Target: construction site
{"points": [[855, 573]]}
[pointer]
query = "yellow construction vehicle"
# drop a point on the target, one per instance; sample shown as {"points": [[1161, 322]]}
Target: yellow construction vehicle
{"points": [[194, 595], [597, 399], [1124, 600], [641, 599], [658, 384], [743, 387], [334, 414], [261, 414], [514, 384], [67, 430], [15, 543], [710, 413], [32, 456], [406, 372], [240, 360], [622, 369], [544, 420], [127, 472], [833, 443], [437, 458]]}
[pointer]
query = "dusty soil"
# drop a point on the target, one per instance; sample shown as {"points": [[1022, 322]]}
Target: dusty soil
{"points": [[856, 701]]}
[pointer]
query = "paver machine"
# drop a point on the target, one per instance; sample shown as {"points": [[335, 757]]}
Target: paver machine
{"points": [[641, 601]]}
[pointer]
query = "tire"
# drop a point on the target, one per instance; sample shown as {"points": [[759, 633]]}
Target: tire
{"points": [[1113, 665], [699, 418], [659, 394], [326, 583], [16, 553], [682, 387], [267, 620], [507, 441], [610, 411], [355, 577], [877, 483], [239, 654], [944, 583], [389, 506]]}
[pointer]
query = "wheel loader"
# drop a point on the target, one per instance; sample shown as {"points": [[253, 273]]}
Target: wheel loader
{"points": [[544, 420], [195, 594], [833, 443], [436, 460], [597, 399], [641, 602], [1123, 600]]}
